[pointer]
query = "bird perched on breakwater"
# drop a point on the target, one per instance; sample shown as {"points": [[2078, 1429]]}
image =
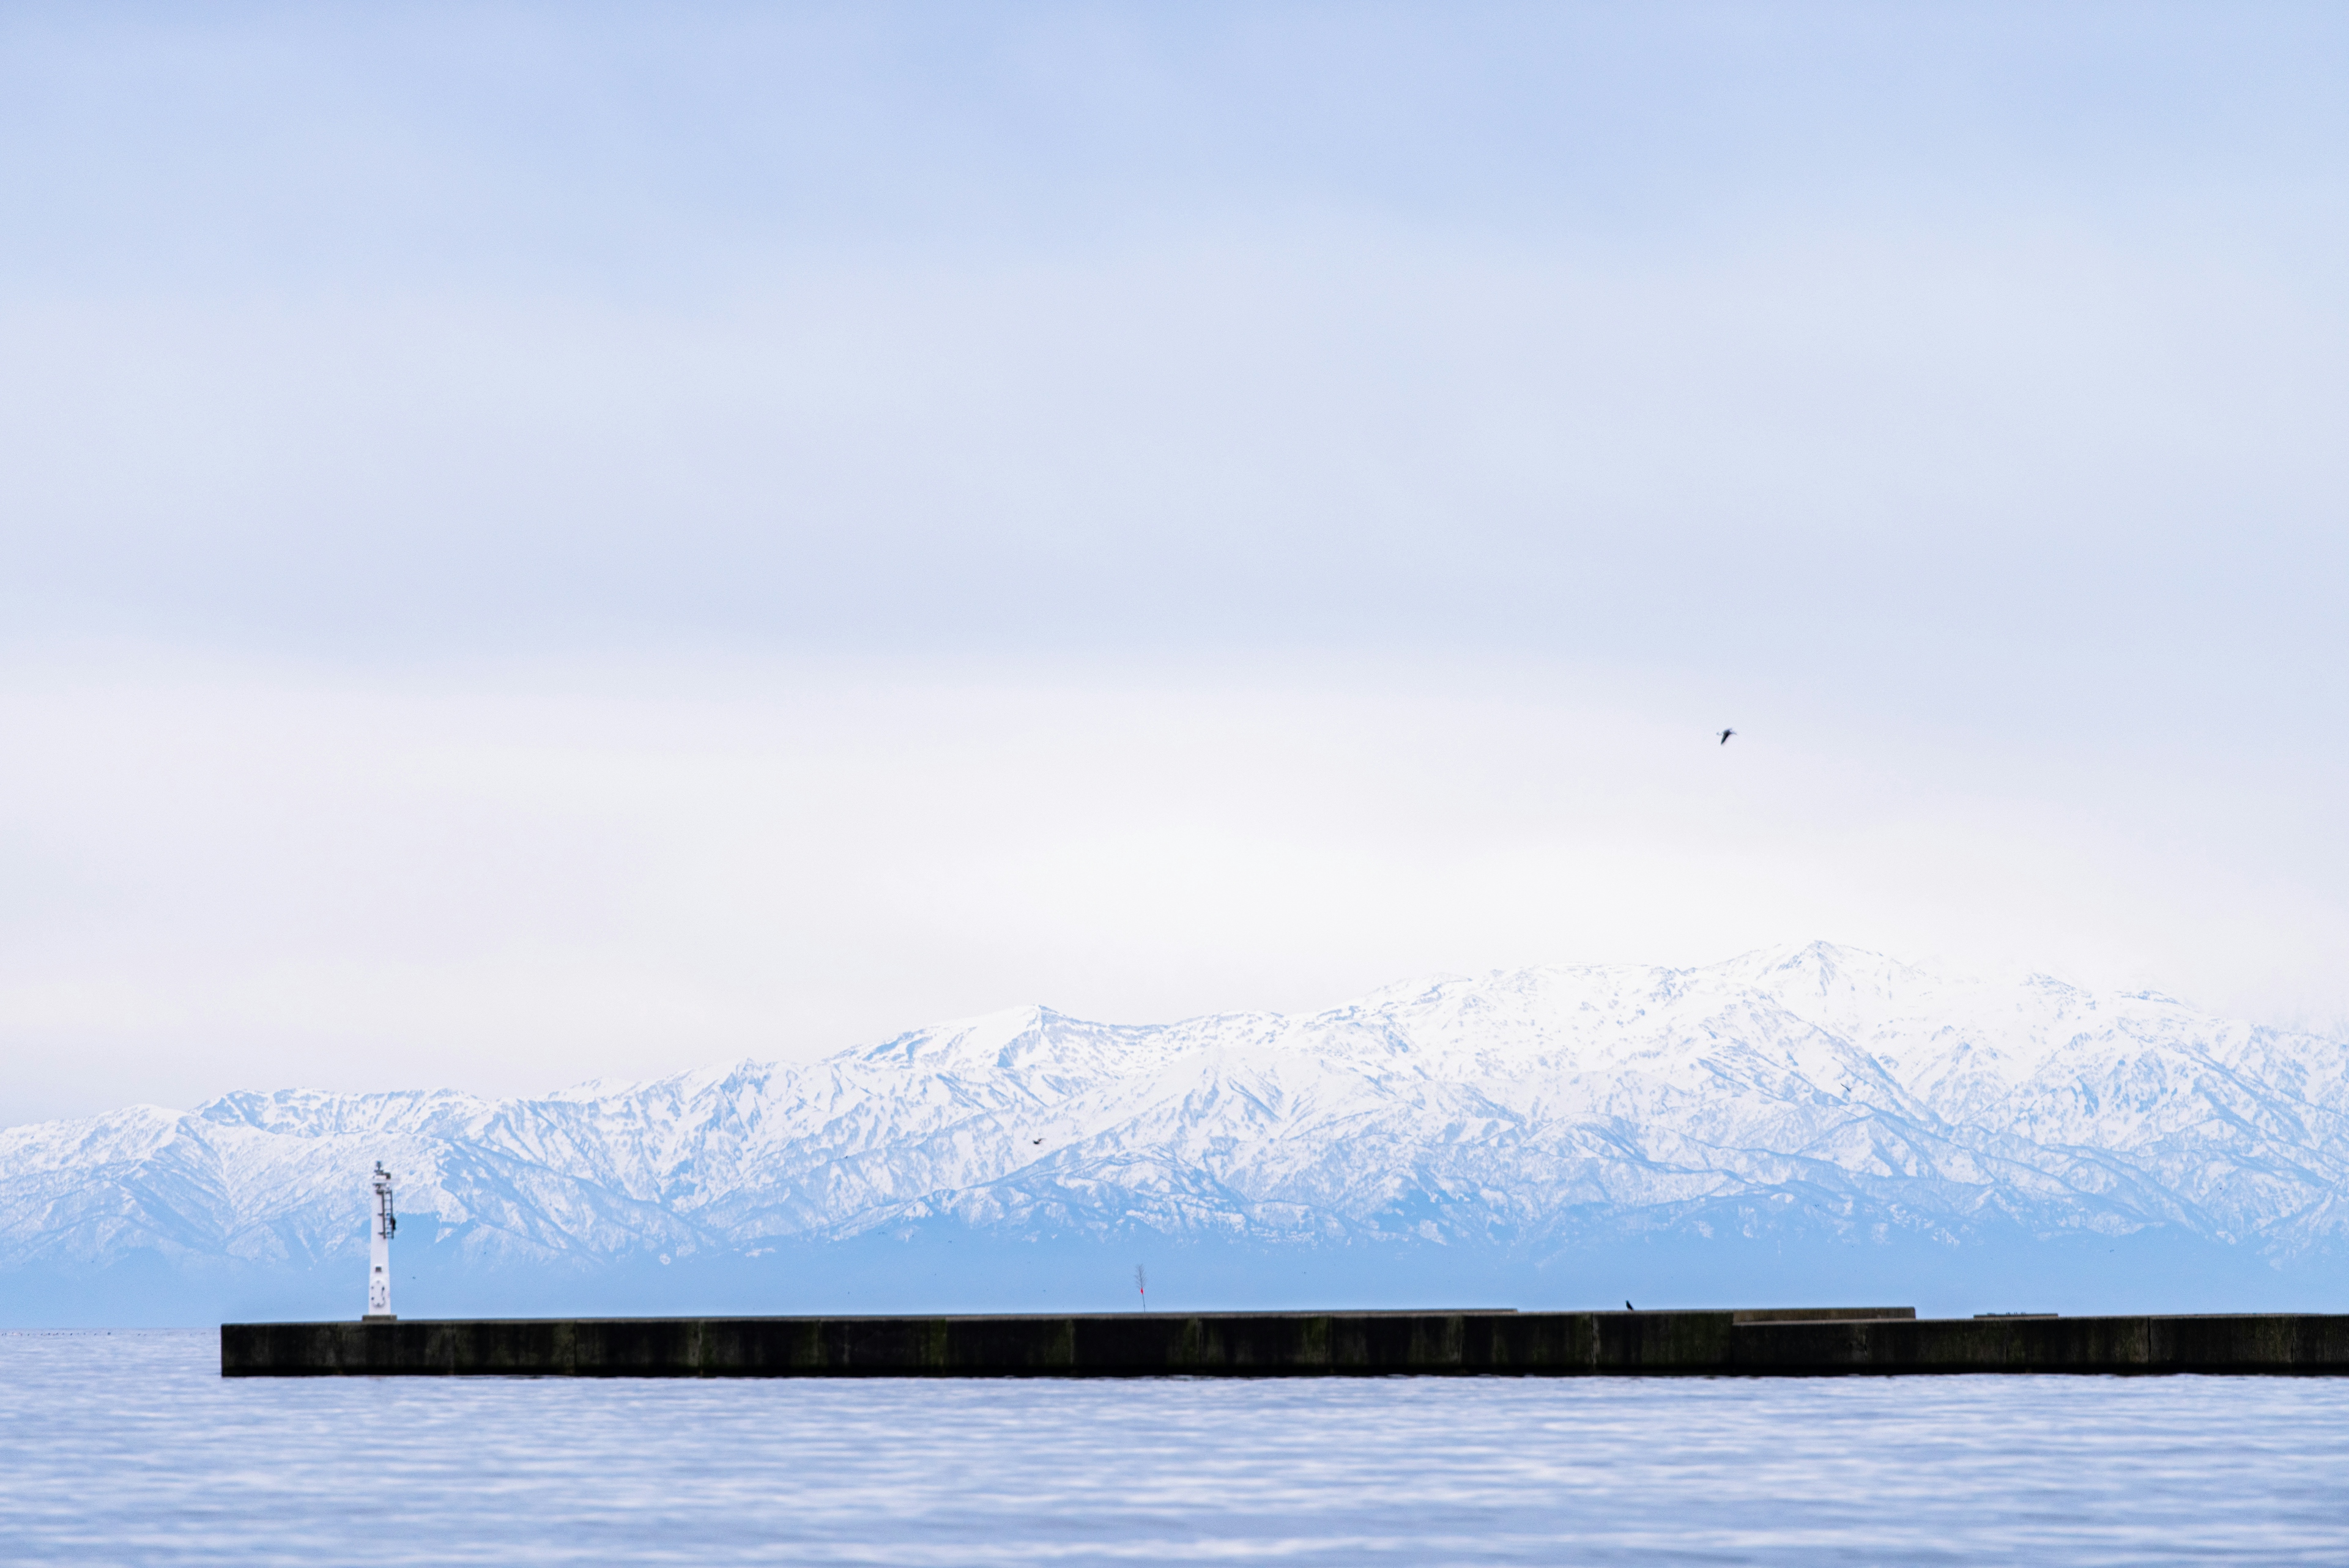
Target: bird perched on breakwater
{"points": [[1725, 734], [1628, 1307]]}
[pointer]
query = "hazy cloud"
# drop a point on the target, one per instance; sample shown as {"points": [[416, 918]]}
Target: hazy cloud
{"points": [[1097, 414]]}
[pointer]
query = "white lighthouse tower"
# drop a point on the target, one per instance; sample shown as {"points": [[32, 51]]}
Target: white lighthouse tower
{"points": [[379, 1249]]}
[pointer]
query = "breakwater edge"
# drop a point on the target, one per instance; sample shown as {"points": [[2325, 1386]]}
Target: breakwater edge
{"points": [[1773, 1341]]}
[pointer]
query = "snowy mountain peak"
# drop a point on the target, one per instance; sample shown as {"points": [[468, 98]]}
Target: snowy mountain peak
{"points": [[1838, 1091]]}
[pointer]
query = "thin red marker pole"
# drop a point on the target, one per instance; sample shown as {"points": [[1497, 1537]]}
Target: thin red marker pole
{"points": [[1142, 1286]]}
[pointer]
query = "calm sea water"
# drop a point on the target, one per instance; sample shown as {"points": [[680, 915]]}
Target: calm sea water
{"points": [[129, 1449]]}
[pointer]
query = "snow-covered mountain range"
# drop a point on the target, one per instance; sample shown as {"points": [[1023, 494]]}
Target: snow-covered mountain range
{"points": [[1817, 1093]]}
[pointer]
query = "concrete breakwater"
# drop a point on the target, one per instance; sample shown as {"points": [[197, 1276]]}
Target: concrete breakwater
{"points": [[1779, 1342]]}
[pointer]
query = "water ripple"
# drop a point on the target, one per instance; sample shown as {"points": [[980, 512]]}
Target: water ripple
{"points": [[128, 1447]]}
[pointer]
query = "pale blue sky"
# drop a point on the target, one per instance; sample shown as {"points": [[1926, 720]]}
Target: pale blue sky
{"points": [[1949, 399]]}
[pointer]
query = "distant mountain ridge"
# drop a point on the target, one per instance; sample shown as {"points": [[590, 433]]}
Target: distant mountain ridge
{"points": [[1815, 1095]]}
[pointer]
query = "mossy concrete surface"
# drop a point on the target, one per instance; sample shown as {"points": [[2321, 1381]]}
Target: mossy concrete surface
{"points": [[1125, 1344], [1780, 1341], [2249, 1343]]}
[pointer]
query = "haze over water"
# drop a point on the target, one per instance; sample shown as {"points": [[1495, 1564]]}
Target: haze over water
{"points": [[129, 1447]]}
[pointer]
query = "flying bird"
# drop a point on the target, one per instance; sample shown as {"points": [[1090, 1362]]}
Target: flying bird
{"points": [[1725, 734], [1035, 1140]]}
